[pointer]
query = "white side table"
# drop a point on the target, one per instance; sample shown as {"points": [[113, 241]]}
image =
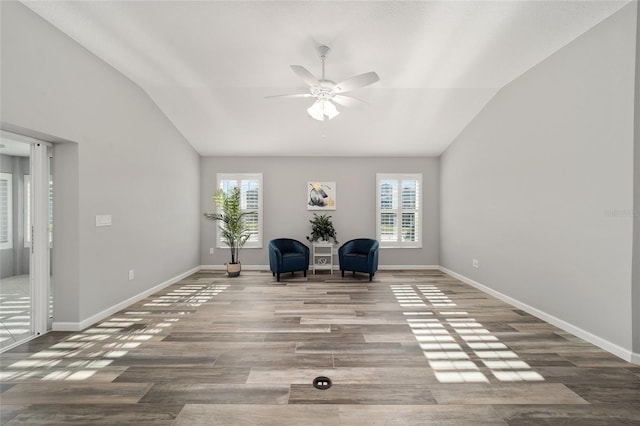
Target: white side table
{"points": [[322, 257]]}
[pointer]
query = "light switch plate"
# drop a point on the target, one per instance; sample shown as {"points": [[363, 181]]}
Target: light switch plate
{"points": [[103, 220]]}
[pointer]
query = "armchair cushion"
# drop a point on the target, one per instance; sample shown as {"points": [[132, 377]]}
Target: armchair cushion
{"points": [[288, 255], [359, 255]]}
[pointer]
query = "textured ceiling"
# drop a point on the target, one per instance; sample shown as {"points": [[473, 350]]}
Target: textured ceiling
{"points": [[208, 65]]}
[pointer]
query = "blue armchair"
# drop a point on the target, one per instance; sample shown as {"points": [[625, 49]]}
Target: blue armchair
{"points": [[288, 255], [359, 255]]}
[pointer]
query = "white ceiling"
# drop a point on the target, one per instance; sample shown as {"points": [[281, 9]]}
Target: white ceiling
{"points": [[208, 65]]}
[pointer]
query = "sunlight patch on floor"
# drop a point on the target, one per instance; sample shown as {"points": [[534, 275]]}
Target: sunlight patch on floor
{"points": [[82, 355], [457, 346]]}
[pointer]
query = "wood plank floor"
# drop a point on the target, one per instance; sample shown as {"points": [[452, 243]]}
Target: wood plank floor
{"points": [[411, 347]]}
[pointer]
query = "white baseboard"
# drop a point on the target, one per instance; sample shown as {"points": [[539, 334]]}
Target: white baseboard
{"points": [[619, 351], [616, 350], [244, 267], [78, 326], [247, 268], [66, 326], [335, 267], [408, 267]]}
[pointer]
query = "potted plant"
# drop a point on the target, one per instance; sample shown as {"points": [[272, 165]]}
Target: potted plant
{"points": [[322, 229], [234, 231]]}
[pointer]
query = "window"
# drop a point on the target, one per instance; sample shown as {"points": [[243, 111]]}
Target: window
{"points": [[6, 211], [398, 210], [250, 185]]}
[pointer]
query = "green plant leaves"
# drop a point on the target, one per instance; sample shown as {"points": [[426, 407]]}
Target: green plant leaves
{"points": [[234, 231], [322, 229]]}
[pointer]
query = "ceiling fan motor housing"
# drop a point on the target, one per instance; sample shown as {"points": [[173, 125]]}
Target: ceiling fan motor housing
{"points": [[324, 89]]}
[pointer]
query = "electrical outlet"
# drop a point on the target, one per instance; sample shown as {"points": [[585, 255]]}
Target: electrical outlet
{"points": [[475, 263], [131, 274], [211, 250]]}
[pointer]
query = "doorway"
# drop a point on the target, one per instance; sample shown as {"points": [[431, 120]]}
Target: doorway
{"points": [[26, 220]]}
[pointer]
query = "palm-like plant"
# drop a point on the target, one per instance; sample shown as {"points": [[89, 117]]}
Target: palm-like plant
{"points": [[234, 231]]}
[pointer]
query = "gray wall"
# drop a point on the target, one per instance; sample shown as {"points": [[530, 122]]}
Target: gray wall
{"points": [[286, 215], [65, 256], [129, 162], [15, 261], [530, 188], [636, 203]]}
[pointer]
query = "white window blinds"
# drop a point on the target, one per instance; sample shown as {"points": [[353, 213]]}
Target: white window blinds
{"points": [[6, 211], [250, 185], [399, 219]]}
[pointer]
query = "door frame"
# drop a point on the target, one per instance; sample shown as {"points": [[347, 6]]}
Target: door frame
{"points": [[40, 259], [40, 249]]}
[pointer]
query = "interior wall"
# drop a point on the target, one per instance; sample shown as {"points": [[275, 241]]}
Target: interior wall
{"points": [[65, 253], [284, 202], [15, 261], [128, 161], [635, 300], [7, 256], [19, 225], [536, 186]]}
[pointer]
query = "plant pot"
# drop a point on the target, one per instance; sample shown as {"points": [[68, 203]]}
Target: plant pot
{"points": [[233, 269]]}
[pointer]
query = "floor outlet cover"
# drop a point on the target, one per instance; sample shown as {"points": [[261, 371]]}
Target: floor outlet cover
{"points": [[322, 383]]}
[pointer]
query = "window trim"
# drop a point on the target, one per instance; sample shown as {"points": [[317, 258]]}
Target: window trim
{"points": [[9, 243], [419, 210], [220, 177]]}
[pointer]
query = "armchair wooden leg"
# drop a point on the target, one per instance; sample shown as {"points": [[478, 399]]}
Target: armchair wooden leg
{"points": [[342, 273], [278, 278], [370, 277], [305, 272]]}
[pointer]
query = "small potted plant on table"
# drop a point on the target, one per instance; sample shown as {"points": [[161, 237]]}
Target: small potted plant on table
{"points": [[322, 229]]}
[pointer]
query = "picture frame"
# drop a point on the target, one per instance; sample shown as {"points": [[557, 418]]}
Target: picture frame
{"points": [[321, 195]]}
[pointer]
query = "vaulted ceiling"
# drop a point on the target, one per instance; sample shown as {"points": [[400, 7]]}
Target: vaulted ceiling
{"points": [[208, 65]]}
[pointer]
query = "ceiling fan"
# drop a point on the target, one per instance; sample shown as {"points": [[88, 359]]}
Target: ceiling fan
{"points": [[327, 92]]}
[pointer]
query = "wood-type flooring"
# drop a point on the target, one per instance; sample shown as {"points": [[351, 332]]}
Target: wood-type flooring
{"points": [[409, 348]]}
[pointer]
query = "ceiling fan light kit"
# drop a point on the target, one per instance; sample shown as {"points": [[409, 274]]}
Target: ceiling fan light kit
{"points": [[327, 92], [322, 110]]}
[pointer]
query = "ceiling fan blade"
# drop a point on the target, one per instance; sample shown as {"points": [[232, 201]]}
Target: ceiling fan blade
{"points": [[356, 82], [305, 75], [348, 101], [296, 95]]}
